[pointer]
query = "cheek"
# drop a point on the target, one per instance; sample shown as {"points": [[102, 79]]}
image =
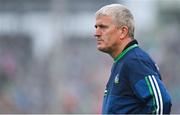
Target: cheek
{"points": [[110, 40], [110, 37], [107, 40]]}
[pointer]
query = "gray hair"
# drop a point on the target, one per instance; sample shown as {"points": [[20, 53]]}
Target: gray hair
{"points": [[121, 16]]}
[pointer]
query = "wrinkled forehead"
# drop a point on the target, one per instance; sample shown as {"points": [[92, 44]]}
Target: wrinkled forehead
{"points": [[103, 16], [105, 19]]}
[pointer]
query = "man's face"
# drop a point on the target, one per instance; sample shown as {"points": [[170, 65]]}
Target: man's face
{"points": [[107, 34]]}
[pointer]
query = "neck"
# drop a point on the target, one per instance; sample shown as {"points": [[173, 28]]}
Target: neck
{"points": [[120, 48]]}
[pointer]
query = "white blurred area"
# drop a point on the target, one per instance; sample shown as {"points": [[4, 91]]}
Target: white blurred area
{"points": [[48, 57]]}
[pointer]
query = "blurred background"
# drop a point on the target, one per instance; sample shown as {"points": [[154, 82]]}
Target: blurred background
{"points": [[48, 57]]}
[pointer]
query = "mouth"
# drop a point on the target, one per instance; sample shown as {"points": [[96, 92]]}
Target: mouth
{"points": [[99, 41]]}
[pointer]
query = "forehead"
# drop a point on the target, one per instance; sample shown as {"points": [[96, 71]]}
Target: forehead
{"points": [[103, 19]]}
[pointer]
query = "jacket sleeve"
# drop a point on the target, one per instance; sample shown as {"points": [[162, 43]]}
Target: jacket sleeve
{"points": [[148, 88]]}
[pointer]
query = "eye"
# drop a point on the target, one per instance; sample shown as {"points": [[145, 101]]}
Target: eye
{"points": [[103, 26], [95, 26]]}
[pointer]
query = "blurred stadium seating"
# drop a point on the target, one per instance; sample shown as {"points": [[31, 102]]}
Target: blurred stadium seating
{"points": [[48, 57]]}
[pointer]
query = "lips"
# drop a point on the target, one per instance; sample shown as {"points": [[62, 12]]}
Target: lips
{"points": [[99, 41]]}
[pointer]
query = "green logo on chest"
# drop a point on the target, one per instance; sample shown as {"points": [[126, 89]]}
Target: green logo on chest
{"points": [[116, 80]]}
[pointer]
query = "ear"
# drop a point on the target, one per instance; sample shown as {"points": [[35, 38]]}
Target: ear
{"points": [[124, 32]]}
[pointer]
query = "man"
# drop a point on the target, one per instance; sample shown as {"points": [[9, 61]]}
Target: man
{"points": [[135, 84]]}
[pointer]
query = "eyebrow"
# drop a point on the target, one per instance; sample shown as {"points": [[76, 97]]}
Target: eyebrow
{"points": [[100, 25]]}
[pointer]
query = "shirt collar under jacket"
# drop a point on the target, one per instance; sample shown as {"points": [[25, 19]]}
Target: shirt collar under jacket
{"points": [[128, 47]]}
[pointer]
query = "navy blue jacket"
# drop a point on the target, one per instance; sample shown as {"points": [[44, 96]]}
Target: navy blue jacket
{"points": [[135, 85]]}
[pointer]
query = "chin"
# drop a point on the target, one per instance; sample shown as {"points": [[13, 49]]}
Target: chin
{"points": [[103, 50]]}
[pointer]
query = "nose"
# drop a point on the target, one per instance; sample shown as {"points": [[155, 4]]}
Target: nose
{"points": [[98, 32]]}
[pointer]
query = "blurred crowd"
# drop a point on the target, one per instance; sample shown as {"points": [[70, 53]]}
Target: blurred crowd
{"points": [[48, 57]]}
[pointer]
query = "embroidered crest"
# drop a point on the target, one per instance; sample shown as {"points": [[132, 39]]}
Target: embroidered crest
{"points": [[116, 80]]}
